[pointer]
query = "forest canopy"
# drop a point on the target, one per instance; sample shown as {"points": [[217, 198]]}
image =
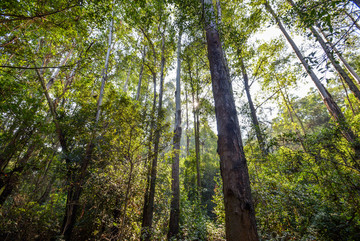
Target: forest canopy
{"points": [[179, 120]]}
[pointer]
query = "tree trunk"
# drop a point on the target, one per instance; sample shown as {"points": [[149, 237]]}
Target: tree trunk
{"points": [[290, 111], [147, 214], [357, 2], [354, 21], [195, 91], [175, 183], [197, 148], [332, 107], [353, 88], [146, 226], [187, 123], [346, 64], [140, 75], [254, 118], [104, 76], [127, 80], [239, 211], [57, 71]]}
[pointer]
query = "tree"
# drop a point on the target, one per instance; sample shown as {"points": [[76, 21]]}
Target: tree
{"points": [[331, 105], [334, 62], [175, 184], [239, 210]]}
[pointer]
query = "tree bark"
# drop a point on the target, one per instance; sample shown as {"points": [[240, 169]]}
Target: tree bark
{"points": [[254, 118], [239, 211], [331, 105], [175, 183]]}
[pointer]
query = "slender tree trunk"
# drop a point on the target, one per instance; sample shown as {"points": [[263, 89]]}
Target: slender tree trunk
{"points": [[195, 90], [141, 75], [104, 77], [353, 88], [352, 19], [148, 204], [197, 149], [57, 71], [254, 118], [332, 107], [127, 80], [357, 2], [290, 111], [346, 64], [175, 183], [187, 122], [347, 97], [148, 209], [240, 221]]}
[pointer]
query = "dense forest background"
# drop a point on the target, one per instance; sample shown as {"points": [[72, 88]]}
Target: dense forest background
{"points": [[108, 128]]}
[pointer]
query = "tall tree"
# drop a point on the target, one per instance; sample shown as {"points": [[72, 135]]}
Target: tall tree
{"points": [[239, 210], [150, 192], [331, 105], [175, 184], [332, 59]]}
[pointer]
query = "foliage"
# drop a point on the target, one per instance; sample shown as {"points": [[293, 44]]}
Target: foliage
{"points": [[306, 187]]}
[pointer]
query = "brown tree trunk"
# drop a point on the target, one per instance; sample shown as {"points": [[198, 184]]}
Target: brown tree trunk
{"points": [[147, 214], [240, 221], [254, 118], [175, 184]]}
